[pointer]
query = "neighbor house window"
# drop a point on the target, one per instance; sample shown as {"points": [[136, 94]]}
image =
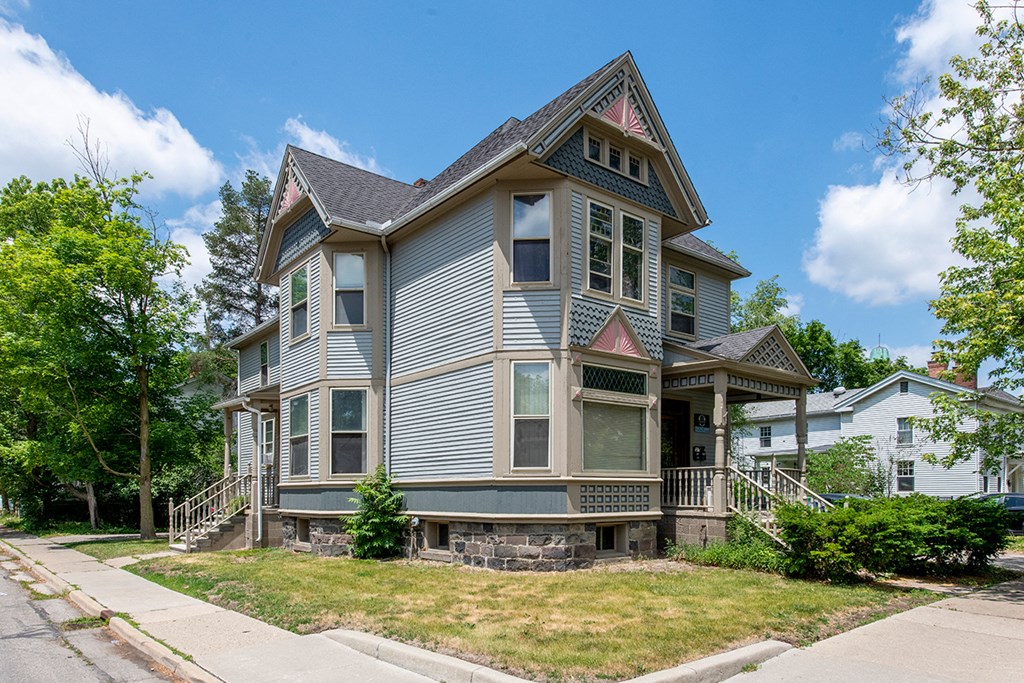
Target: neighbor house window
{"points": [[300, 302], [904, 431], [682, 300], [766, 437], [267, 442], [615, 252], [264, 364], [349, 286], [531, 410], [905, 475], [348, 431], [904, 387], [614, 433], [531, 238], [298, 435]]}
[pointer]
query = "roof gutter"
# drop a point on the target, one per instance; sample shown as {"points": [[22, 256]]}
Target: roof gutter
{"points": [[738, 269], [496, 163], [257, 459]]}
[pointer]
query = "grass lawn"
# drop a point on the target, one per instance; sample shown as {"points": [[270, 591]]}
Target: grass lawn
{"points": [[1016, 544], [105, 550], [584, 625], [60, 528]]}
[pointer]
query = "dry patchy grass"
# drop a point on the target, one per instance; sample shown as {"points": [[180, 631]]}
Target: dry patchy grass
{"points": [[581, 625]]}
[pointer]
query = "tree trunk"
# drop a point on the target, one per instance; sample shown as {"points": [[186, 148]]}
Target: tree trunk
{"points": [[94, 515], [147, 529]]}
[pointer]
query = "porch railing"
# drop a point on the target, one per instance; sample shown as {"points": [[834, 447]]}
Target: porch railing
{"points": [[687, 487], [198, 515], [268, 480]]}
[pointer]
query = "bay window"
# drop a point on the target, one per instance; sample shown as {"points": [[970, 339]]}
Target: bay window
{"points": [[531, 410], [349, 286], [616, 252], [531, 238], [298, 435], [299, 292], [348, 431], [614, 427]]}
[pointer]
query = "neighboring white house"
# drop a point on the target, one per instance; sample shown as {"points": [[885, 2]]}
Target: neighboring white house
{"points": [[882, 411]]}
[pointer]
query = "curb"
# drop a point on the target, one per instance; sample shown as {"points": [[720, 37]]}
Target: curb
{"points": [[134, 637], [717, 667], [424, 662]]}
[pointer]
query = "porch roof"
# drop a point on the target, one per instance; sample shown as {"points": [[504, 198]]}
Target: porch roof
{"points": [[264, 396]]}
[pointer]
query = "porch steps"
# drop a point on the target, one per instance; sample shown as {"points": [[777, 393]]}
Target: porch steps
{"points": [[227, 535]]}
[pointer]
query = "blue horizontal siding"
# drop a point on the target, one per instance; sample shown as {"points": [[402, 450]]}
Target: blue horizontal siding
{"points": [[531, 319], [349, 355]]}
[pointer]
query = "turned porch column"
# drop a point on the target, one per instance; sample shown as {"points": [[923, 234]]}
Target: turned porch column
{"points": [[719, 419]]}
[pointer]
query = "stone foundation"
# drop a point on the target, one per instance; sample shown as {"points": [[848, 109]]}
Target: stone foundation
{"points": [[533, 547], [327, 537], [691, 526]]}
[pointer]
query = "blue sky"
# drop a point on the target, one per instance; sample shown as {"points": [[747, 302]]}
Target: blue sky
{"points": [[772, 107]]}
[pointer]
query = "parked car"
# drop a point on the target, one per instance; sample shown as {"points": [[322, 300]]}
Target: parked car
{"points": [[1014, 502]]}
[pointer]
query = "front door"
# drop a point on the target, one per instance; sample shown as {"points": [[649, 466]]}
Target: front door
{"points": [[675, 433]]}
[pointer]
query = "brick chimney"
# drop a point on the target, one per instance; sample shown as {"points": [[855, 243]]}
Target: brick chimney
{"points": [[420, 182], [936, 367]]}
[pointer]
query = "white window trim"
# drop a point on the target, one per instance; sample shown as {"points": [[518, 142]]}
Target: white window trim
{"points": [[626, 150], [912, 476], [365, 432], [763, 435], [910, 427], [615, 253], [291, 436], [292, 337], [512, 422], [269, 446], [681, 290], [512, 238], [265, 381], [335, 289]]}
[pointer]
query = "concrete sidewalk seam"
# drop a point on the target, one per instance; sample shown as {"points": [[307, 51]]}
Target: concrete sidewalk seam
{"points": [[132, 635]]}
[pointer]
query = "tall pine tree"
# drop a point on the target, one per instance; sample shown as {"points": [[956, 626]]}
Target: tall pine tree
{"points": [[235, 302]]}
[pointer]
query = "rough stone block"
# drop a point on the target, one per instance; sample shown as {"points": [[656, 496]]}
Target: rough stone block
{"points": [[495, 563], [529, 551], [553, 552]]}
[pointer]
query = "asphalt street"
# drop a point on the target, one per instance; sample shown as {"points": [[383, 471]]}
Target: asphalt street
{"points": [[39, 642]]}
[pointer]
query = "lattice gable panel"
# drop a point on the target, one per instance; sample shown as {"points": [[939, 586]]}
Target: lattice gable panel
{"points": [[623, 105], [771, 354], [293, 188]]}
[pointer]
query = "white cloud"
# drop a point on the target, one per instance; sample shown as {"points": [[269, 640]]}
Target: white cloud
{"points": [[794, 304], [188, 231], [10, 8], [298, 133], [849, 141], [917, 354], [883, 243], [45, 97], [937, 31]]}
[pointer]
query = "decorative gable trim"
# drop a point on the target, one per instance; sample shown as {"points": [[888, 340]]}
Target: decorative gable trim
{"points": [[624, 108], [588, 318], [618, 336], [775, 352]]}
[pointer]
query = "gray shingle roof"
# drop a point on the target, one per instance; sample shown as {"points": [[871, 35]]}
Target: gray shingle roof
{"points": [[733, 346], [351, 193], [689, 242], [817, 404]]}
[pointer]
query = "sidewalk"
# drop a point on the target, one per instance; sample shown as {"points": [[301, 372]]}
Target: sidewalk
{"points": [[975, 637], [229, 645]]}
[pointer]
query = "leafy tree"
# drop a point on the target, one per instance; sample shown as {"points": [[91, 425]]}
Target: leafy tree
{"points": [[850, 466], [973, 136], [95, 334], [234, 301], [763, 307]]}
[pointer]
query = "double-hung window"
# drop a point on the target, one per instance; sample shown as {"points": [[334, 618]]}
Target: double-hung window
{"points": [[904, 431], [614, 427], [348, 431], [766, 437], [531, 411], [349, 286], [299, 292], [615, 252], [267, 442], [531, 238], [264, 364], [298, 435], [682, 301], [905, 475]]}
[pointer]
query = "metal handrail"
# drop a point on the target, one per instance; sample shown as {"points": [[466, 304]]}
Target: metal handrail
{"points": [[194, 518]]}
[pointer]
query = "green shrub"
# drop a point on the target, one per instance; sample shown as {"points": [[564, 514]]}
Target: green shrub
{"points": [[378, 525], [914, 534], [747, 548]]}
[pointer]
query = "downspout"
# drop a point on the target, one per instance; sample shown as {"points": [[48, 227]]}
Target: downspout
{"points": [[387, 354], [257, 458]]}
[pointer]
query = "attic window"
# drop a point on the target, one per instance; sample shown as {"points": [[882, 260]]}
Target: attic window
{"points": [[904, 387], [616, 158]]}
